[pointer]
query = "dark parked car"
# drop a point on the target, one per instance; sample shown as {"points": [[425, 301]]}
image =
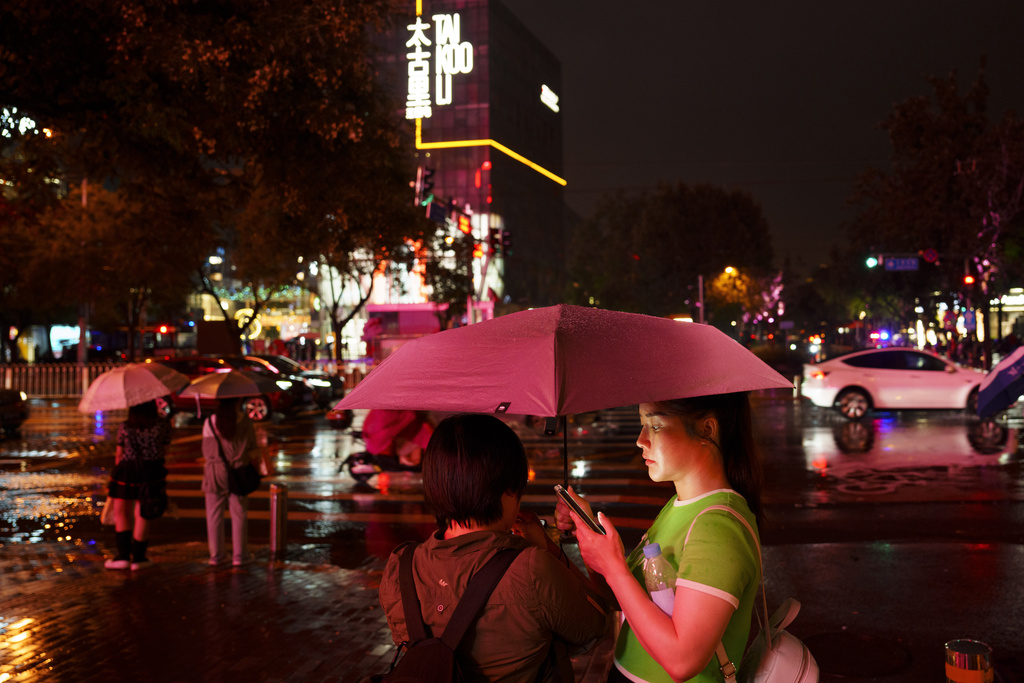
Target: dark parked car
{"points": [[294, 393], [13, 410], [327, 389]]}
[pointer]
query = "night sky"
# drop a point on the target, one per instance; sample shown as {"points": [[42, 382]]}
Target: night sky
{"points": [[780, 99]]}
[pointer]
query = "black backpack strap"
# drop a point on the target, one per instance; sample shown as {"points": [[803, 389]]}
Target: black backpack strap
{"points": [[410, 601], [477, 592]]}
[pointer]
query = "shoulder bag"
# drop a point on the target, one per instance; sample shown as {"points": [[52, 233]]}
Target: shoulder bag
{"points": [[775, 655], [241, 480]]}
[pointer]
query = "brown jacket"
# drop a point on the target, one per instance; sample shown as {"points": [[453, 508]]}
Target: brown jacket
{"points": [[524, 633]]}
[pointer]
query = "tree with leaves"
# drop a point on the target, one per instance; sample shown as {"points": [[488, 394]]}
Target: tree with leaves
{"points": [[954, 187], [264, 125], [645, 253]]}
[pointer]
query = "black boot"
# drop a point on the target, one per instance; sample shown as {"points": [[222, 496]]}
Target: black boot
{"points": [[139, 559], [123, 540]]}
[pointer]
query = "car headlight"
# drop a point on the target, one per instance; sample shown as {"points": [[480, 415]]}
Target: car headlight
{"points": [[284, 384], [24, 396], [318, 382]]}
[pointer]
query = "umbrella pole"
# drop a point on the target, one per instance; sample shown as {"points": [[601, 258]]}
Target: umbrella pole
{"points": [[565, 452]]}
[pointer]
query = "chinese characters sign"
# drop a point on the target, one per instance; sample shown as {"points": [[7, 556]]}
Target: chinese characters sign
{"points": [[450, 55]]}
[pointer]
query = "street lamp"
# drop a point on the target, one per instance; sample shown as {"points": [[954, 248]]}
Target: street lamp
{"points": [[700, 298]]}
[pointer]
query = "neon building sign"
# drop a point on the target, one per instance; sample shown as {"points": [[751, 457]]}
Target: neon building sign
{"points": [[451, 57], [440, 41]]}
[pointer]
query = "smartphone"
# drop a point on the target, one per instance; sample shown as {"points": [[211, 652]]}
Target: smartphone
{"points": [[575, 507]]}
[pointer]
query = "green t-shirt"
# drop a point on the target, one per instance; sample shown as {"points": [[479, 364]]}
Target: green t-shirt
{"points": [[720, 558]]}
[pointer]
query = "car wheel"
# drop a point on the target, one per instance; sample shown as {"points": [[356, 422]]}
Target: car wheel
{"points": [[972, 402], [854, 404], [987, 437], [854, 436], [257, 408], [164, 406]]}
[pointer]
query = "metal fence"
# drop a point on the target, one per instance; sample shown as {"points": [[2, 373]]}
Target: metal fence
{"points": [[67, 380], [52, 380]]}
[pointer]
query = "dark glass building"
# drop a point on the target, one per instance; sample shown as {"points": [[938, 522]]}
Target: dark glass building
{"points": [[482, 92]]}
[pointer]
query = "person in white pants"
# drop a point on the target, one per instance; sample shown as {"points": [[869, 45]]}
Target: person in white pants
{"points": [[231, 432]]}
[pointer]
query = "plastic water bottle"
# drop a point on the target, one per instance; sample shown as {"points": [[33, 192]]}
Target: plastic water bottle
{"points": [[660, 578]]}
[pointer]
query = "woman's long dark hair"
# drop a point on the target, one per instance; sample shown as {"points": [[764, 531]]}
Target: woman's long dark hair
{"points": [[227, 412], [741, 457]]}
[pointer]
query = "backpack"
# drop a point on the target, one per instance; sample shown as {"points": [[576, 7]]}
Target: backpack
{"points": [[775, 655], [432, 659]]}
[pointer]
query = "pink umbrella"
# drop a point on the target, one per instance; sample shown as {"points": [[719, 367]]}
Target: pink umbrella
{"points": [[561, 360]]}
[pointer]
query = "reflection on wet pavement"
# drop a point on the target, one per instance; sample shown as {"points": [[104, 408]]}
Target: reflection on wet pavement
{"points": [[917, 455], [46, 505]]}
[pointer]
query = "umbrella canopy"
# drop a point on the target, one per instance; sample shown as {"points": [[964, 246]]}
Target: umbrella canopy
{"points": [[130, 385], [1003, 385], [233, 384], [561, 360]]}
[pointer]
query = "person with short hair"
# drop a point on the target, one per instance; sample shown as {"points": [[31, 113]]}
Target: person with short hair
{"points": [[474, 473], [705, 447]]}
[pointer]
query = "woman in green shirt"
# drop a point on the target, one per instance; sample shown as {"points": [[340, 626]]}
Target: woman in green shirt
{"points": [[705, 447]]}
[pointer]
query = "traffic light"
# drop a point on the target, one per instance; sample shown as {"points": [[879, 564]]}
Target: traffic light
{"points": [[506, 242], [417, 186], [493, 240], [427, 186], [871, 261], [968, 279]]}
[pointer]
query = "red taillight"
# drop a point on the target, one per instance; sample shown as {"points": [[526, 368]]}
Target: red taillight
{"points": [[816, 374]]}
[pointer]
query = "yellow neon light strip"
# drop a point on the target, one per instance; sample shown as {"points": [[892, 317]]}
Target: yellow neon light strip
{"points": [[483, 143], [419, 7]]}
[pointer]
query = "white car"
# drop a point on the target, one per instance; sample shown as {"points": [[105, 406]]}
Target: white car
{"points": [[890, 379]]}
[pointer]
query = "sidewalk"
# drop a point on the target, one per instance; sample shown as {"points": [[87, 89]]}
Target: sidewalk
{"points": [[871, 612], [63, 617]]}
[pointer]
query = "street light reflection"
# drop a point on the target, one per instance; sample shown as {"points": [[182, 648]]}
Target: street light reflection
{"points": [[12, 637]]}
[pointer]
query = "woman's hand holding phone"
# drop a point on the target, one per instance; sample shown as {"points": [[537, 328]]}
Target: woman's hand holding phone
{"points": [[563, 521], [602, 551], [575, 504]]}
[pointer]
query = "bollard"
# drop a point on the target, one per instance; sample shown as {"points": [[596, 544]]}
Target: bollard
{"points": [[278, 521], [797, 382], [968, 661]]}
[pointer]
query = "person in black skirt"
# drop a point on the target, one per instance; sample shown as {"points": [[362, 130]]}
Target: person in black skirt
{"points": [[138, 467]]}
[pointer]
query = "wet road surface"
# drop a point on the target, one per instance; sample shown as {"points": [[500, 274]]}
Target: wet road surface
{"points": [[826, 478]]}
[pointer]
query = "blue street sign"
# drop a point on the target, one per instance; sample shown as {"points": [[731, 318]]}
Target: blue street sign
{"points": [[901, 263]]}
